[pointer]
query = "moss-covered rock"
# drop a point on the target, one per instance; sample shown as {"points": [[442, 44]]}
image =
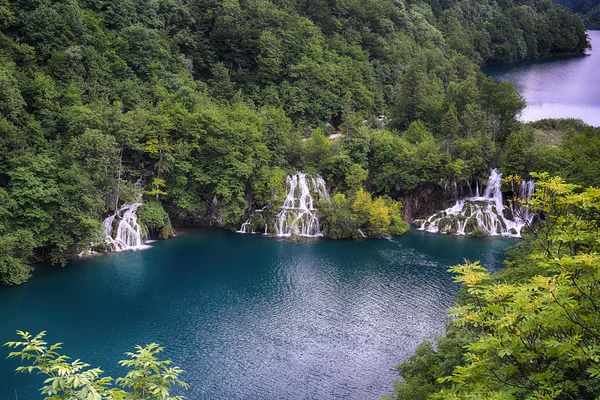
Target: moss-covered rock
{"points": [[155, 221], [478, 232], [442, 223]]}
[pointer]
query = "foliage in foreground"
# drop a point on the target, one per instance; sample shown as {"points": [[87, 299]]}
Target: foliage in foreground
{"points": [[532, 331], [147, 376]]}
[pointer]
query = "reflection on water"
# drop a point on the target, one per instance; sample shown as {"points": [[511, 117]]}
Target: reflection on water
{"points": [[557, 88], [250, 317]]}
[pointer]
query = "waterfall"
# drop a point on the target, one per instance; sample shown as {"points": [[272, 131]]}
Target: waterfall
{"points": [[129, 232], [244, 227], [485, 212], [298, 215], [248, 226], [526, 189]]}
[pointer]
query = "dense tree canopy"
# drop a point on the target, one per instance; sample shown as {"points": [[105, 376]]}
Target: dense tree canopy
{"points": [[202, 107], [589, 10], [209, 104]]}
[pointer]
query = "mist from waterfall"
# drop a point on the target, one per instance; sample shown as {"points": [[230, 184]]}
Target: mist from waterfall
{"points": [[485, 211], [128, 235]]}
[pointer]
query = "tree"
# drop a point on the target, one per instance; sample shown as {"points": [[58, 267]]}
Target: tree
{"points": [[505, 102], [147, 378], [531, 331], [356, 177], [379, 218], [412, 95], [338, 219], [221, 86], [156, 188], [416, 133], [516, 157], [317, 149], [397, 225], [157, 146], [362, 207], [430, 362], [540, 337], [450, 126], [16, 250], [98, 155]]}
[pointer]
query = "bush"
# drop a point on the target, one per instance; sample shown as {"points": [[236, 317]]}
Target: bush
{"points": [[155, 220], [478, 232]]}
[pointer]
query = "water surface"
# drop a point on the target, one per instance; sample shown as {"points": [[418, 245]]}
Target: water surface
{"points": [[250, 317], [567, 87]]}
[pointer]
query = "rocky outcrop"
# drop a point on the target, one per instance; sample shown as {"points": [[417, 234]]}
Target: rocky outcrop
{"points": [[424, 201]]}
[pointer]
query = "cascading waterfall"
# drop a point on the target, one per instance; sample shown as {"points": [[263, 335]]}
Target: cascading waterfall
{"points": [[526, 189], [486, 212], [129, 232], [247, 227], [298, 215]]}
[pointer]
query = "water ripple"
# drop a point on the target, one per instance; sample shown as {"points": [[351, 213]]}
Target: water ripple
{"points": [[248, 317]]}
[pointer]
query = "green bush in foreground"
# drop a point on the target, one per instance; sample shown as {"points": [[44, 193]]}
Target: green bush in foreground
{"points": [[532, 331], [147, 378]]}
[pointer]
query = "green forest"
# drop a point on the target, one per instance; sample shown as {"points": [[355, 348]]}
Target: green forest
{"points": [[589, 10], [211, 104], [203, 107]]}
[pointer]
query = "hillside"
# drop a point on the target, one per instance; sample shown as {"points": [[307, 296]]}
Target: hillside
{"points": [[206, 103], [589, 10]]}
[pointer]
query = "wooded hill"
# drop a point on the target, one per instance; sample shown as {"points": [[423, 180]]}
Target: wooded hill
{"points": [[208, 102], [589, 10]]}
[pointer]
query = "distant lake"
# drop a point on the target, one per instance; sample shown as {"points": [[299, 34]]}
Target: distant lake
{"points": [[566, 87]]}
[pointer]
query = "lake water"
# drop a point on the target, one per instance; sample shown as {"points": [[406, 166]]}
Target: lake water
{"points": [[250, 317], [566, 87]]}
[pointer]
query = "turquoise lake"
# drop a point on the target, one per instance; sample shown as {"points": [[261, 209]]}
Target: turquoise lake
{"points": [[567, 87], [250, 317]]}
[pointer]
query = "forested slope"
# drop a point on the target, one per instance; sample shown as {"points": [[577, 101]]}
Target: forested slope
{"points": [[207, 103], [588, 9]]}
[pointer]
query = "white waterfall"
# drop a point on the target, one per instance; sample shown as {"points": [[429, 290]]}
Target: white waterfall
{"points": [[486, 212], [526, 189], [129, 232], [247, 227], [298, 215]]}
